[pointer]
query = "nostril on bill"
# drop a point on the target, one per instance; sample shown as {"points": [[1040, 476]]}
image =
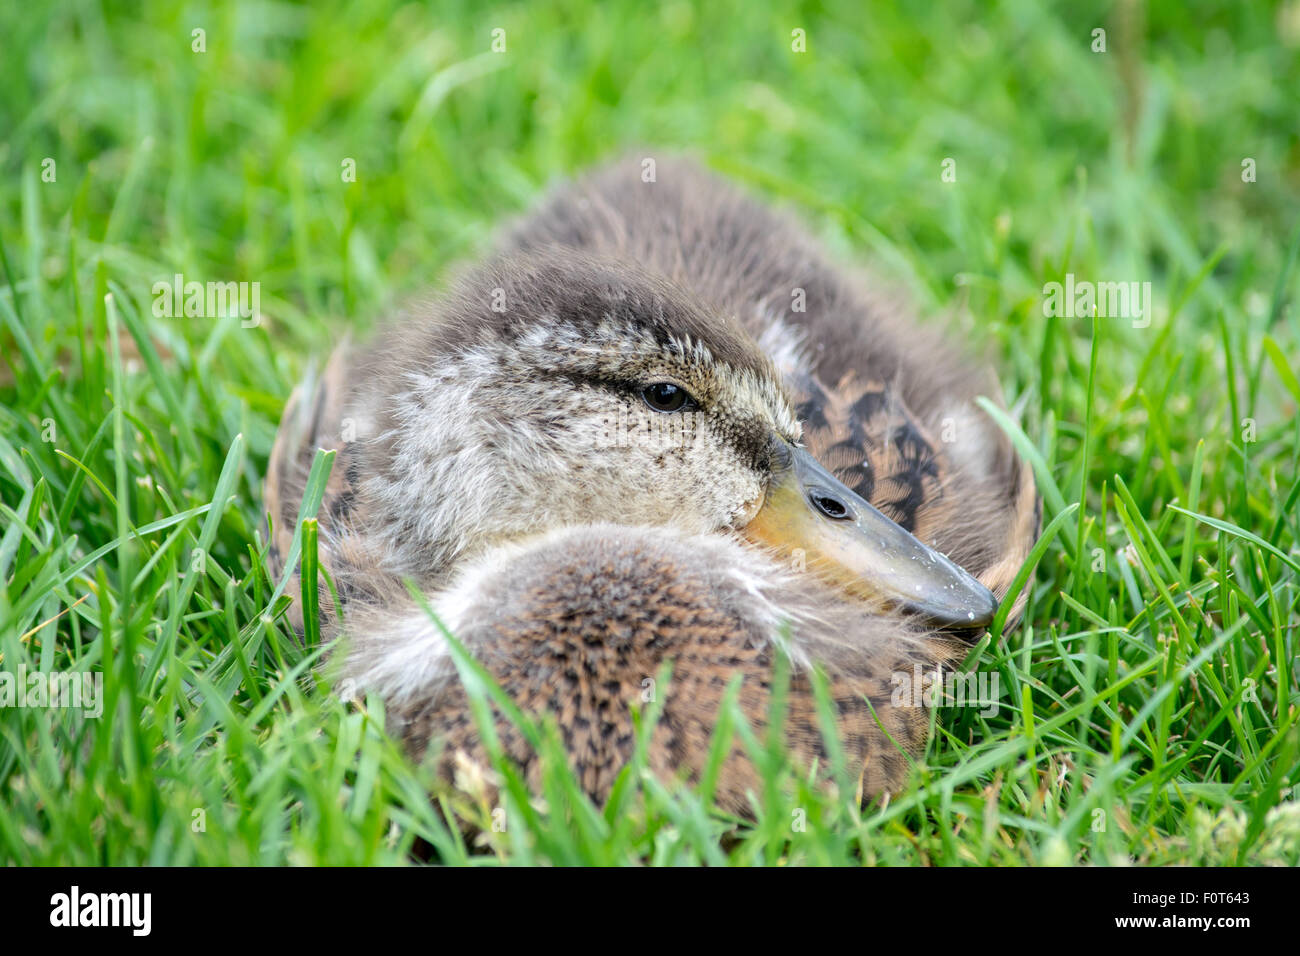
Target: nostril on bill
{"points": [[830, 506]]}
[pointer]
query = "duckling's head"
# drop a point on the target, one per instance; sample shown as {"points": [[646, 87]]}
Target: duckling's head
{"points": [[561, 389]]}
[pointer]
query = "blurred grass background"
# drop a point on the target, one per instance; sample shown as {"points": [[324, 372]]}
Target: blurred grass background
{"points": [[225, 165]]}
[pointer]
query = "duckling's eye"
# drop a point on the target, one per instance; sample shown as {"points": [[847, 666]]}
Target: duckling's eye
{"points": [[666, 397]]}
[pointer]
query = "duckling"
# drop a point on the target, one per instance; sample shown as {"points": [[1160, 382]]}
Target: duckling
{"points": [[656, 425]]}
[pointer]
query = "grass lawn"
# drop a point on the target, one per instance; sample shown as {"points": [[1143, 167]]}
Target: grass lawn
{"points": [[1150, 701]]}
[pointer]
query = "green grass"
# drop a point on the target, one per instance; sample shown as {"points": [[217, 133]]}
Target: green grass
{"points": [[1150, 698]]}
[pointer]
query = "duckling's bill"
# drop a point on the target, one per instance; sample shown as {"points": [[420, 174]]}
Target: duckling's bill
{"points": [[846, 540]]}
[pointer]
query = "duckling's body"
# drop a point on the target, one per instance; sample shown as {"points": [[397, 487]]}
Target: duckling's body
{"points": [[493, 451]]}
